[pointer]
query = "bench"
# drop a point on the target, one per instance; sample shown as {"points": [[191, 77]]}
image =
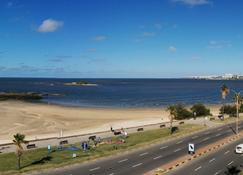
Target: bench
{"points": [[30, 146], [117, 132], [140, 129], [162, 126], [181, 123], [63, 142], [92, 137]]}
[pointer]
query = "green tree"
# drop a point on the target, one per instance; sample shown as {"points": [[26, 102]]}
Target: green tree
{"points": [[200, 110], [19, 139], [182, 112], [224, 92], [178, 112]]}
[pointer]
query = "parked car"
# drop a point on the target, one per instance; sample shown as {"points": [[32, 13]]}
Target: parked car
{"points": [[239, 149]]}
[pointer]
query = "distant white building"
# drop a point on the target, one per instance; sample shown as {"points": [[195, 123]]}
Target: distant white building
{"points": [[227, 76], [220, 77]]}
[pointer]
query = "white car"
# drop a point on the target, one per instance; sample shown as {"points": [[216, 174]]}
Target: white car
{"points": [[239, 149]]}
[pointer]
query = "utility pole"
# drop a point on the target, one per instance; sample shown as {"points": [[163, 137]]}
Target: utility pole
{"points": [[237, 96]]}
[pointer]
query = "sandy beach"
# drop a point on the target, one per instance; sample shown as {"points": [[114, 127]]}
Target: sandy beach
{"points": [[42, 120]]}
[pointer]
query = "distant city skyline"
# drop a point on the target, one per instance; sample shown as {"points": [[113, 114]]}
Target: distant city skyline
{"points": [[120, 39]]}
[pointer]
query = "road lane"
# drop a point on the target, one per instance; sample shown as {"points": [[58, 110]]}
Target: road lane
{"points": [[155, 155], [215, 163]]}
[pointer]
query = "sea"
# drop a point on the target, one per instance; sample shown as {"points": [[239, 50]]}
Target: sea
{"points": [[124, 93]]}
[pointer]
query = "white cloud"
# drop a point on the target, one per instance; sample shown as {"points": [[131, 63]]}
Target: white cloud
{"points": [[148, 34], [195, 58], [92, 50], [193, 2], [49, 25], [9, 4], [100, 38], [219, 44], [158, 26], [174, 26], [172, 49]]}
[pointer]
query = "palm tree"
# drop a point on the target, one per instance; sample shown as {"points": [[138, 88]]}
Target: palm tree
{"points": [[224, 92], [173, 113], [19, 139]]}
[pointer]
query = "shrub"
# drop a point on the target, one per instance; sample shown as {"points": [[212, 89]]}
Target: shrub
{"points": [[241, 108], [174, 129], [228, 109], [200, 110], [182, 112]]}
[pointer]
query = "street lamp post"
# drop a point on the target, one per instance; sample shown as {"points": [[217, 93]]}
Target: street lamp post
{"points": [[237, 104], [237, 111]]}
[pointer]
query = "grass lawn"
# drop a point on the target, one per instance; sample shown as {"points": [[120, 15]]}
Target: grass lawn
{"points": [[228, 120], [39, 158]]}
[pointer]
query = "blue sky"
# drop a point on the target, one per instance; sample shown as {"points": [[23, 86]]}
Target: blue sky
{"points": [[120, 38]]}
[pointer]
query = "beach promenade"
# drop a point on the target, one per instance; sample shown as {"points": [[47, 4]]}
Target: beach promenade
{"points": [[72, 139]]}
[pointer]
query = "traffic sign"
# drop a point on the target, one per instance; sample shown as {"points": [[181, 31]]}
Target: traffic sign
{"points": [[191, 148]]}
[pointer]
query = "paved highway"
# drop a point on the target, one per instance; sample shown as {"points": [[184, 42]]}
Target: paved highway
{"points": [[216, 163], [143, 160]]}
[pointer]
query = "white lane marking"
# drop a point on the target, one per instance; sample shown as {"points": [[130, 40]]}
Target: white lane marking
{"points": [[220, 129], [211, 160], [206, 138], [177, 150], [194, 137], [226, 152], [230, 163], [111, 174], [143, 154], [164, 147], [217, 172], [137, 165], [93, 169], [157, 157], [198, 168], [123, 160], [218, 135], [179, 142]]}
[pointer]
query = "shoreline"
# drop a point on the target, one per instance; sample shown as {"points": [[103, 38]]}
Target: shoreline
{"points": [[68, 105], [38, 120]]}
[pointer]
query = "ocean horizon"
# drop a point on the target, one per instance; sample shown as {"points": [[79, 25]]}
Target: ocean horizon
{"points": [[123, 92]]}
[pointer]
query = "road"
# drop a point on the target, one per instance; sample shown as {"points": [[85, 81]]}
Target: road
{"points": [[215, 163], [144, 160]]}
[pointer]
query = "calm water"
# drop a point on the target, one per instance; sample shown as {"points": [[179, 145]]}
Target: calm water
{"points": [[122, 93]]}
